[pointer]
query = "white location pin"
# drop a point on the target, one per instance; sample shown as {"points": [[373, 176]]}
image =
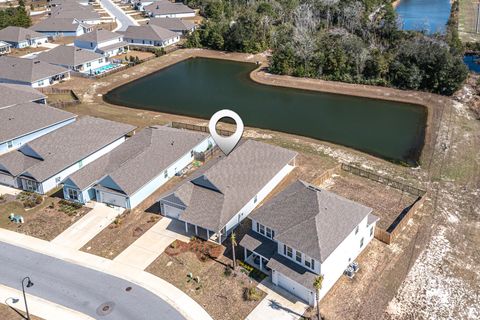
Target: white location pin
{"points": [[226, 144]]}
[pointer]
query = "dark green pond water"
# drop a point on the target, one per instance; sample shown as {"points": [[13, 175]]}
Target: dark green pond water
{"points": [[199, 87]]}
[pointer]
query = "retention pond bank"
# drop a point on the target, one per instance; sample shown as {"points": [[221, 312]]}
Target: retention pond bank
{"points": [[199, 87]]}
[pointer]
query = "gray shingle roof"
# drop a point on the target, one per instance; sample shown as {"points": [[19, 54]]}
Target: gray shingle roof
{"points": [[149, 32], [11, 94], [74, 10], [63, 147], [27, 70], [99, 35], [256, 242], [292, 270], [217, 194], [4, 44], [172, 24], [167, 7], [57, 25], [22, 119], [68, 56], [312, 220], [18, 34], [159, 148]]}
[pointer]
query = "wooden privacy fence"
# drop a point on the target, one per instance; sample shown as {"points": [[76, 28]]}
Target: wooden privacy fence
{"points": [[326, 175], [193, 127], [389, 235]]}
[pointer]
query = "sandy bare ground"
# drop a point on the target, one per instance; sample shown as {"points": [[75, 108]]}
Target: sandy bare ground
{"points": [[429, 272]]}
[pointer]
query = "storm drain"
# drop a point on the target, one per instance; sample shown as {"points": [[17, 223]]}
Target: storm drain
{"points": [[105, 308]]}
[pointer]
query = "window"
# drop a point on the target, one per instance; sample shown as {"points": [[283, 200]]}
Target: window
{"points": [[361, 242], [9, 144], [58, 179], [91, 44], [40, 83], [72, 194], [307, 263], [313, 264], [165, 173], [356, 230], [262, 229], [89, 64], [100, 60], [298, 256], [80, 164], [371, 231], [255, 199], [289, 252], [269, 233]]}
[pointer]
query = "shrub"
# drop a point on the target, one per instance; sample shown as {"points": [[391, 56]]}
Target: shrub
{"points": [[227, 272], [251, 294], [52, 205], [38, 199]]}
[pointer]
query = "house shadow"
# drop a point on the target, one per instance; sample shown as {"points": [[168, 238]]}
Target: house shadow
{"points": [[154, 208], [275, 305]]}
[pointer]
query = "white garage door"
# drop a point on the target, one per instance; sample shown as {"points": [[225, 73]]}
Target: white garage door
{"points": [[293, 287], [6, 180], [171, 212], [114, 199]]}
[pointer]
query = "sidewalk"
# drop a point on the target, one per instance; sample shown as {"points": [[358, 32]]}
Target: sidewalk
{"points": [[82, 231], [278, 304], [150, 245], [190, 309], [39, 307]]}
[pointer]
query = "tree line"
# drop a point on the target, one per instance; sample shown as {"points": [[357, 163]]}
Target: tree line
{"points": [[15, 16], [356, 41]]}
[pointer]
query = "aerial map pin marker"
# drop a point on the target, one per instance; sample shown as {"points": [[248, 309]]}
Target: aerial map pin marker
{"points": [[226, 144]]}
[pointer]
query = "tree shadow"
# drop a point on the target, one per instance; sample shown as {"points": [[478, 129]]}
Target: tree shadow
{"points": [[278, 306]]}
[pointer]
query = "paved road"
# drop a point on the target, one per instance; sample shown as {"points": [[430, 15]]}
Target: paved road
{"points": [[121, 16], [80, 288]]}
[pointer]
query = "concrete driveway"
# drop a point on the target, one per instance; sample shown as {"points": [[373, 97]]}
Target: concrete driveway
{"points": [[82, 231], [150, 245], [9, 190], [123, 20], [278, 304]]}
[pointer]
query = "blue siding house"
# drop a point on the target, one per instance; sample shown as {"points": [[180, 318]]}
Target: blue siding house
{"points": [[129, 174]]}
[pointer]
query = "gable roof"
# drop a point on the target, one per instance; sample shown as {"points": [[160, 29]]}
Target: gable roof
{"points": [[4, 44], [172, 24], [27, 70], [68, 56], [18, 34], [312, 220], [45, 156], [167, 7], [214, 196], [12, 94], [58, 25], [98, 36], [22, 119], [74, 10], [156, 148], [149, 32]]}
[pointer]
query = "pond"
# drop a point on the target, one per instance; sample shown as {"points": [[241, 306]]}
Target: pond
{"points": [[199, 87], [472, 62], [431, 15]]}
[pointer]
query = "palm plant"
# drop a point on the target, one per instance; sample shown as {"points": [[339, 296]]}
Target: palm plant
{"points": [[317, 284]]}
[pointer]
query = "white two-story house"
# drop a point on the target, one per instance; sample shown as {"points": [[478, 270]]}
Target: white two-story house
{"points": [[304, 232], [102, 41]]}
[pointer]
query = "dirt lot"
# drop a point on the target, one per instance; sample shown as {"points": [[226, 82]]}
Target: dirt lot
{"points": [[131, 225], [21, 52], [387, 203], [7, 313], [43, 221], [429, 272], [219, 293], [132, 53]]}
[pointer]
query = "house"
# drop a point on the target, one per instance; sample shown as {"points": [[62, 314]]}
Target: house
{"points": [[129, 174], [12, 94], [304, 232], [41, 164], [167, 9], [61, 27], [19, 37], [22, 123], [73, 58], [150, 35], [177, 25], [4, 48], [102, 41], [71, 10], [216, 200], [31, 72], [140, 5]]}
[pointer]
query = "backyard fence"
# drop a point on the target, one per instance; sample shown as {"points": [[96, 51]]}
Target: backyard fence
{"points": [[326, 175], [193, 127], [388, 236]]}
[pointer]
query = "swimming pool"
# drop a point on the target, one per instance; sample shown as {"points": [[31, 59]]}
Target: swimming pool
{"points": [[104, 69]]}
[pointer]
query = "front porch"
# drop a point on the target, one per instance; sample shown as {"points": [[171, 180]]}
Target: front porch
{"points": [[256, 260], [258, 250], [204, 233]]}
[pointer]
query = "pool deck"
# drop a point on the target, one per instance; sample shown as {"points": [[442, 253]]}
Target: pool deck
{"points": [[434, 103]]}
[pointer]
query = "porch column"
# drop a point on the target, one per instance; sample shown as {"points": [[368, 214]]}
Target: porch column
{"points": [[220, 238], [196, 230], [244, 253], [261, 262], [208, 234], [186, 227]]}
